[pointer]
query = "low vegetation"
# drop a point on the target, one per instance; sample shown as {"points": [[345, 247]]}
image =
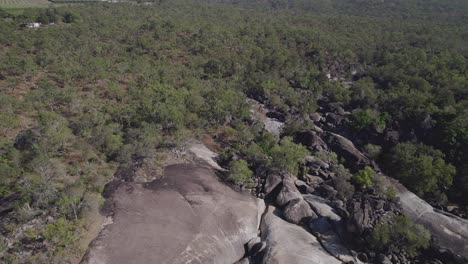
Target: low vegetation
{"points": [[240, 174], [104, 85], [287, 155], [400, 234], [421, 168], [364, 177]]}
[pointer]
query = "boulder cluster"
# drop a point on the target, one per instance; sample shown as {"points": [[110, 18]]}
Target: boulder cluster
{"points": [[312, 202], [315, 199]]}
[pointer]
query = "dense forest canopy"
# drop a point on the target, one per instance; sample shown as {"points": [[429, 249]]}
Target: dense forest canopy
{"points": [[109, 84]]}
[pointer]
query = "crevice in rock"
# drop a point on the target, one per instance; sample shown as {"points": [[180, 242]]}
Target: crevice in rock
{"points": [[325, 248], [253, 259], [262, 218]]}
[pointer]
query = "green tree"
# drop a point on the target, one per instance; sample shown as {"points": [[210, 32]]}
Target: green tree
{"points": [[337, 92], [363, 93], [55, 131], [361, 119], [364, 177], [240, 174], [10, 168], [341, 181], [420, 168], [373, 151], [70, 17], [287, 155]]}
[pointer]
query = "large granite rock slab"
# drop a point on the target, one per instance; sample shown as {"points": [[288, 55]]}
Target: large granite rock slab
{"points": [[188, 216], [289, 243], [450, 232]]}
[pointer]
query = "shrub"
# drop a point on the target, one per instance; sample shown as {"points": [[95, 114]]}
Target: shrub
{"points": [[364, 177], [69, 17], [287, 155], [361, 119], [240, 174], [55, 132], [60, 233], [419, 167], [373, 151], [328, 157], [400, 234], [391, 194], [363, 92], [341, 181], [70, 206], [3, 244], [337, 92], [266, 141], [255, 156], [9, 173]]}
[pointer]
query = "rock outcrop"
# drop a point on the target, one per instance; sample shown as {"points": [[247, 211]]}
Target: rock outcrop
{"points": [[338, 218], [289, 243], [287, 193], [298, 211], [450, 232], [346, 149], [311, 140], [272, 121], [188, 216], [367, 211]]}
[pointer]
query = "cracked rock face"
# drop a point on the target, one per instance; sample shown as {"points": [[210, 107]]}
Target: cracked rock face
{"points": [[186, 217]]}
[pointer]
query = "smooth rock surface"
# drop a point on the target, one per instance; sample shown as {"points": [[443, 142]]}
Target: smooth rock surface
{"points": [[188, 216], [289, 243], [205, 154]]}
